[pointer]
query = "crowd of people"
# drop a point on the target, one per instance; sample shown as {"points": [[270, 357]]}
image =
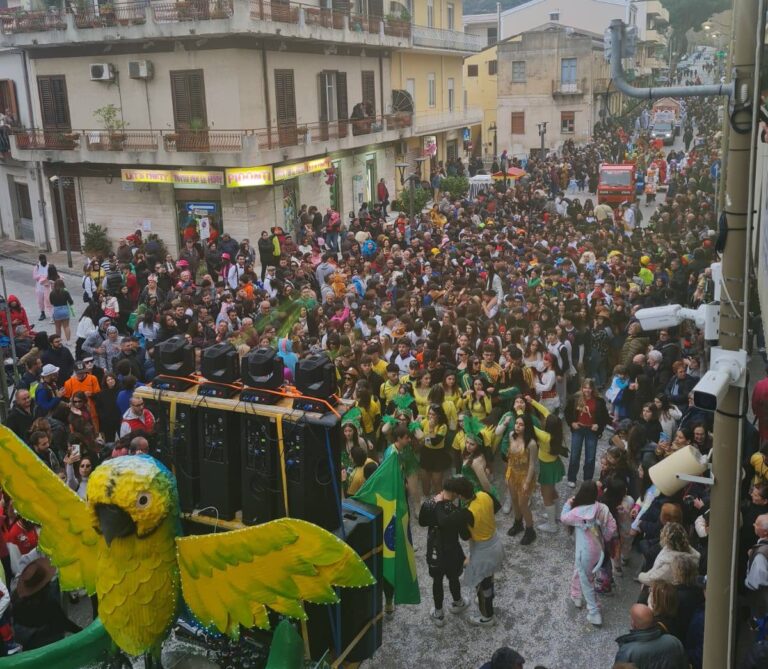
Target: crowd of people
{"points": [[489, 344]]}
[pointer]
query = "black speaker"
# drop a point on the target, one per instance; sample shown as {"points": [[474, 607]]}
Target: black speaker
{"points": [[335, 626], [262, 370], [184, 454], [313, 472], [261, 480], [174, 359], [316, 376], [219, 433], [220, 363]]}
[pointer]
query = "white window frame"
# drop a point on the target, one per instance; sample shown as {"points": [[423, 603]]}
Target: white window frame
{"points": [[517, 78], [451, 94], [450, 12], [430, 13]]}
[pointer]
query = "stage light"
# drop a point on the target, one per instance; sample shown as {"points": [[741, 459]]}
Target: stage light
{"points": [[174, 359], [262, 370]]}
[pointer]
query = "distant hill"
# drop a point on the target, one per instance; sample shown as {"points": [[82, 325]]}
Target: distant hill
{"points": [[486, 6]]}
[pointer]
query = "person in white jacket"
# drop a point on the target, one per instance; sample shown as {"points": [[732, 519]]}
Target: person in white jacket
{"points": [[674, 543]]}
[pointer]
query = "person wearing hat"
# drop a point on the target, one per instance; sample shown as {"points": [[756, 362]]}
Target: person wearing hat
{"points": [[83, 381], [38, 616], [48, 396]]}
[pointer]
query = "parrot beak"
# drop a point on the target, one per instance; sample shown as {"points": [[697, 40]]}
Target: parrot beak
{"points": [[114, 522]]}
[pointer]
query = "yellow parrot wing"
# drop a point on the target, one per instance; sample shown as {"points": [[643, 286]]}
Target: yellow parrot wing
{"points": [[40, 496], [229, 579]]}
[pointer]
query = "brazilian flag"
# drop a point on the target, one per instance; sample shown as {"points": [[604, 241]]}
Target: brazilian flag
{"points": [[386, 488]]}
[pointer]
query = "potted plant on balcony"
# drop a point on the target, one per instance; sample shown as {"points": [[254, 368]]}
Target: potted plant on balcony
{"points": [[107, 15], [220, 9], [111, 121]]}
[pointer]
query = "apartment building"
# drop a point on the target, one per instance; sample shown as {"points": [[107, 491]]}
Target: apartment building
{"points": [[186, 116], [431, 74], [553, 74], [21, 210], [481, 87], [649, 17]]}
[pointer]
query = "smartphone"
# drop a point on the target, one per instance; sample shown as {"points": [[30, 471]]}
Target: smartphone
{"points": [[75, 450]]}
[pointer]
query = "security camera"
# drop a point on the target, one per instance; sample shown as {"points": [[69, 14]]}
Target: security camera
{"points": [[53, 179], [706, 317], [727, 368], [711, 389]]}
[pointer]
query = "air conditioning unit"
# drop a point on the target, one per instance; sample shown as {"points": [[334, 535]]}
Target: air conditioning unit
{"points": [[140, 69], [102, 72]]}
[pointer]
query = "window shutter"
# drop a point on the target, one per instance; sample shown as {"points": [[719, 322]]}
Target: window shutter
{"points": [[341, 102], [471, 70], [517, 123], [369, 88], [8, 98], [341, 95], [285, 97], [188, 94], [182, 112], [322, 97], [376, 8], [54, 106]]}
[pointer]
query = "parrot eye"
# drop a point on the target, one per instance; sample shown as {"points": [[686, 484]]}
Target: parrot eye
{"points": [[143, 500]]}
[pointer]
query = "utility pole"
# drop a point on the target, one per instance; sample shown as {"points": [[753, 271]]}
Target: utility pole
{"points": [[64, 220], [542, 132], [719, 628]]}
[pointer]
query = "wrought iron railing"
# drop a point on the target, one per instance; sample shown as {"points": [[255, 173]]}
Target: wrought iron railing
{"points": [[14, 22], [209, 140], [122, 13]]}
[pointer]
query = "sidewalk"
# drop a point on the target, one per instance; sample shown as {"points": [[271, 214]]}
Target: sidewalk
{"points": [[27, 253]]}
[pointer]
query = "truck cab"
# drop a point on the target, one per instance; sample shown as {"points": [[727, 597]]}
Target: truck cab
{"points": [[616, 184]]}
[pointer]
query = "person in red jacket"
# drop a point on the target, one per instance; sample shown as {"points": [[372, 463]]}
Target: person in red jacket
{"points": [[137, 419], [23, 535], [18, 317]]}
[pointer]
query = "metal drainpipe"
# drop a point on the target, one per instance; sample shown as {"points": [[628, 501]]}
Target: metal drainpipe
{"points": [[38, 169], [617, 75]]}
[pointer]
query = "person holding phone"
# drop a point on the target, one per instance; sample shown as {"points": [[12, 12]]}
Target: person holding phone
{"points": [[77, 480]]}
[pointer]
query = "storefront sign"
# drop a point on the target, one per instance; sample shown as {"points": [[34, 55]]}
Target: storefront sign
{"points": [[148, 176], [184, 178], [318, 165], [297, 169], [249, 176], [290, 171], [176, 177]]}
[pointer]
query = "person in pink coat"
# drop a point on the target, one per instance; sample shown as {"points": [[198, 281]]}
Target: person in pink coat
{"points": [[594, 526]]}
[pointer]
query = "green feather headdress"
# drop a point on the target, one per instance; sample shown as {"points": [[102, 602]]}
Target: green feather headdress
{"points": [[472, 427], [353, 416], [402, 402]]}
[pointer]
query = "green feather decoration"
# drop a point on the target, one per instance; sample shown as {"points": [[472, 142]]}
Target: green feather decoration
{"points": [[472, 426], [352, 416], [402, 402]]}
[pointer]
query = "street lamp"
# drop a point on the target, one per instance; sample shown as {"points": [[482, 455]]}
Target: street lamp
{"points": [[492, 128], [542, 132], [63, 214]]}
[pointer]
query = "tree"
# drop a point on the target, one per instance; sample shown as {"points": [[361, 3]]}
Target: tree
{"points": [[687, 14]]}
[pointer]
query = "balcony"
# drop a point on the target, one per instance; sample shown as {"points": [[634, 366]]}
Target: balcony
{"points": [[568, 88], [171, 19], [212, 147], [447, 40], [441, 121]]}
